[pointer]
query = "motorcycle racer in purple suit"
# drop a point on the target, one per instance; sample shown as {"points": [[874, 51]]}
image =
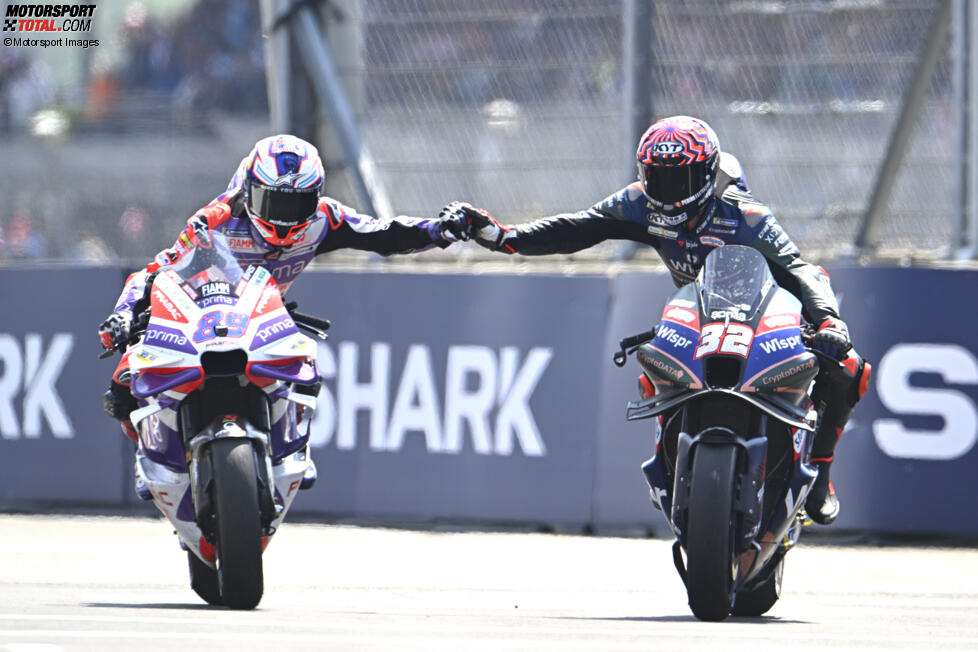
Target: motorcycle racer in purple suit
{"points": [[274, 216], [689, 199]]}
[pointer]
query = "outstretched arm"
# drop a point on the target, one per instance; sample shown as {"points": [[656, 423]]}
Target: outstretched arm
{"points": [[558, 234], [400, 235]]}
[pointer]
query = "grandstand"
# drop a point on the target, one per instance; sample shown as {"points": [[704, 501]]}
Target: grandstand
{"points": [[514, 105]]}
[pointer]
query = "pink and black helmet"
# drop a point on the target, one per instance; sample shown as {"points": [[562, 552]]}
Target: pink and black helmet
{"points": [[677, 166]]}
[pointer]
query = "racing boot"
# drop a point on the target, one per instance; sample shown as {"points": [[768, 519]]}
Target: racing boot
{"points": [[837, 390], [822, 504], [309, 477], [142, 490]]}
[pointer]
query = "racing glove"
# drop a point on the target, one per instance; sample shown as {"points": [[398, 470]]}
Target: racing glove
{"points": [[114, 331], [832, 338], [452, 226], [483, 227]]}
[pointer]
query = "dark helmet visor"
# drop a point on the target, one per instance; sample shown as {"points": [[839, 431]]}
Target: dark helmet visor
{"points": [[671, 184], [283, 208]]}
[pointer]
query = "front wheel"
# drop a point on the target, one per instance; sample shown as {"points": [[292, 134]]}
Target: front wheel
{"points": [[710, 523], [238, 523], [756, 602]]}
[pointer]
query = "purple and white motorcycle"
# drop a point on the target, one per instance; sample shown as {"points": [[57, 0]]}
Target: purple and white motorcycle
{"points": [[226, 384]]}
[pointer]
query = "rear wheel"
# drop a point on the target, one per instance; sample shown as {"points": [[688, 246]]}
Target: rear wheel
{"points": [[709, 532], [238, 523], [203, 580], [756, 602]]}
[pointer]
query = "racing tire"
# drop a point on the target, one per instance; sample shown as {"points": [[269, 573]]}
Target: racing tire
{"points": [[755, 603], [203, 580], [238, 523], [710, 523]]}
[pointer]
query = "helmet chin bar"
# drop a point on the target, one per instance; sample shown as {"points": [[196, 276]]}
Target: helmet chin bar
{"points": [[689, 209], [270, 235]]}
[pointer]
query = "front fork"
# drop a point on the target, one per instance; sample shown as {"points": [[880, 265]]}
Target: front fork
{"points": [[202, 472], [748, 497]]}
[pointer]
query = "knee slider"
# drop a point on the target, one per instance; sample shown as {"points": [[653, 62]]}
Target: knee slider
{"points": [[857, 372]]}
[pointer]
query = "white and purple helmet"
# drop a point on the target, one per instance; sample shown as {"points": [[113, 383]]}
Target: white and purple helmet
{"points": [[282, 180]]}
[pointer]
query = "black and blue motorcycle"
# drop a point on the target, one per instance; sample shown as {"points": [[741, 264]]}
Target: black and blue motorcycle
{"points": [[727, 375]]}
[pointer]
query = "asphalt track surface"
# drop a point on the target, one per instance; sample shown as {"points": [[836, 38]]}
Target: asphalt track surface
{"points": [[71, 583]]}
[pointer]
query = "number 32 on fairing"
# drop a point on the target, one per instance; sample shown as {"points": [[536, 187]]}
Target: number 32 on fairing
{"points": [[720, 337]]}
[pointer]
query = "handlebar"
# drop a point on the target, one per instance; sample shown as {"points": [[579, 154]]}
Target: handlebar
{"points": [[314, 325], [630, 345], [136, 329], [807, 337]]}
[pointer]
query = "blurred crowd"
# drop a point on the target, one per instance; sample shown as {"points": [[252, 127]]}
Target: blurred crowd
{"points": [[178, 88], [209, 58], [152, 75]]}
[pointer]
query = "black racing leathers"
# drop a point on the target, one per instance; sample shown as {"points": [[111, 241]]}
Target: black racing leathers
{"points": [[733, 216]]}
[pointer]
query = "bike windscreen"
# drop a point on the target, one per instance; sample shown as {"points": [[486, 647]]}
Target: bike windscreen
{"points": [[209, 261], [734, 281]]}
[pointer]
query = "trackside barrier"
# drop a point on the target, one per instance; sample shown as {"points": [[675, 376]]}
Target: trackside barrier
{"points": [[493, 397]]}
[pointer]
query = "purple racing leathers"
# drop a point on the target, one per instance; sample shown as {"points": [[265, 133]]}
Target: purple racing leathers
{"points": [[335, 226]]}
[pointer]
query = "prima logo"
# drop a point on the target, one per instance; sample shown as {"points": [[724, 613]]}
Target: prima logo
{"points": [[275, 328], [166, 337]]}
